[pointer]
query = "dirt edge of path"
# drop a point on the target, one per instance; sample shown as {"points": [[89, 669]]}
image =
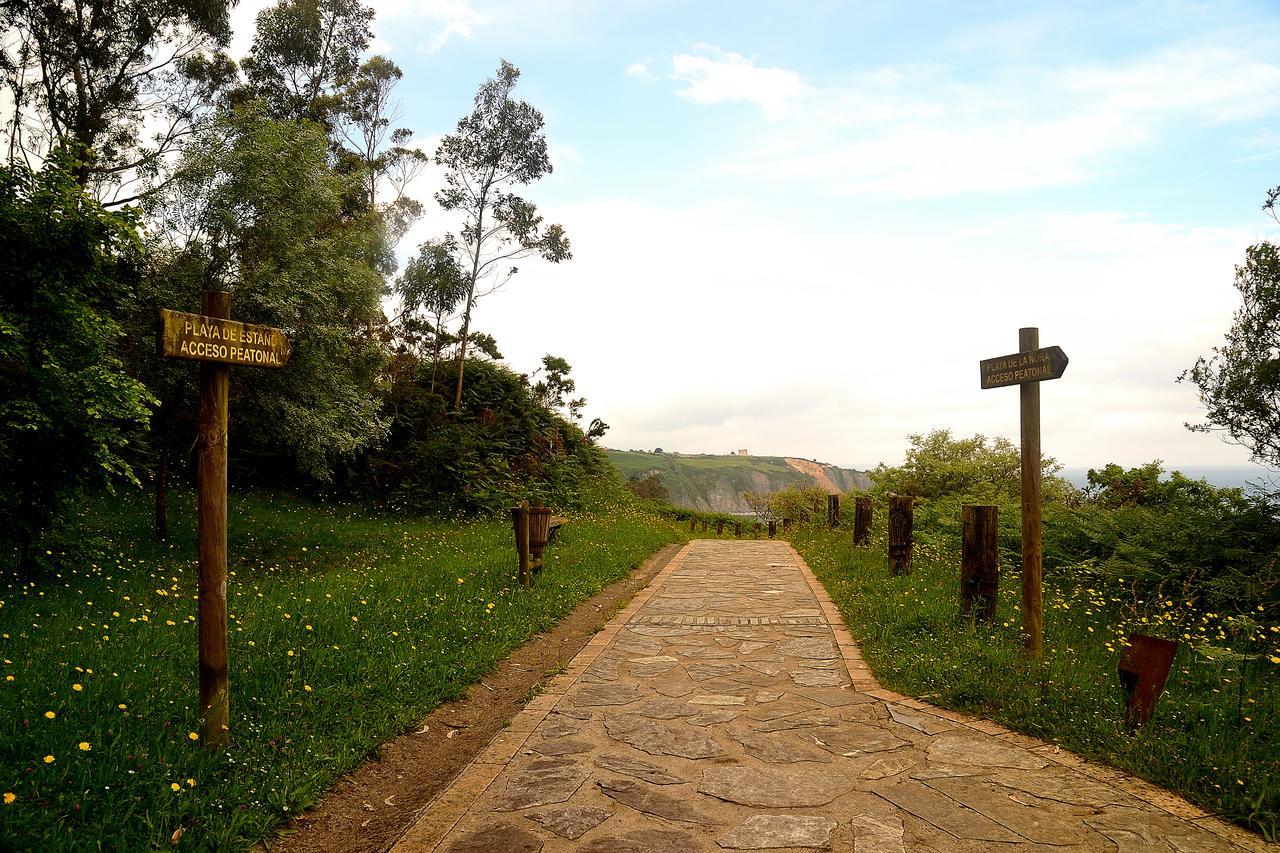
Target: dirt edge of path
{"points": [[368, 809]]}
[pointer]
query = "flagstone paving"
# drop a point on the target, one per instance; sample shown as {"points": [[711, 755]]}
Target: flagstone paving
{"points": [[727, 708]]}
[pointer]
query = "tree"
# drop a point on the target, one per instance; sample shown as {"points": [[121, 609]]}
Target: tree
{"points": [[1239, 382], [430, 290], [94, 75], [499, 145], [256, 209], [303, 52], [68, 411], [937, 465]]}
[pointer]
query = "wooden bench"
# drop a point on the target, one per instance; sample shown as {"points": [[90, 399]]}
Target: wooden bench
{"points": [[553, 527]]}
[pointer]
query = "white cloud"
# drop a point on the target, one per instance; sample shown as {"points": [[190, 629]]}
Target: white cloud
{"points": [[714, 76], [639, 70], [925, 130]]}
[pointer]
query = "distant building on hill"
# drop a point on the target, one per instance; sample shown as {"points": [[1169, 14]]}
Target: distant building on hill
{"points": [[743, 453]]}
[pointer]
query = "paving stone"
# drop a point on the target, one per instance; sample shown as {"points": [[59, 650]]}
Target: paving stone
{"points": [[926, 723], [674, 689], [703, 671], [762, 832], [641, 841], [1064, 787], [717, 699], [1035, 823], [552, 780], [657, 738], [765, 696], [877, 834], [781, 748], [640, 769], [562, 746], [749, 646], [572, 822], [765, 786], [604, 669], [890, 765], [756, 679], [1140, 832], [985, 752], [854, 739], [713, 653], [653, 801], [817, 678], [943, 812], [497, 838], [605, 694], [766, 667], [559, 728], [632, 643], [812, 719], [663, 709], [714, 716], [780, 709], [835, 698], [817, 648]]}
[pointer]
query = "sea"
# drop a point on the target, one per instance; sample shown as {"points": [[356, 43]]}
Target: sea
{"points": [[1246, 477]]}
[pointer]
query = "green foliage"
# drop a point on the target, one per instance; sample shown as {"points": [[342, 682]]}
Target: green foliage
{"points": [[67, 409], [382, 618], [802, 504], [504, 446], [256, 209], [648, 487], [1212, 738], [981, 469], [1239, 383]]}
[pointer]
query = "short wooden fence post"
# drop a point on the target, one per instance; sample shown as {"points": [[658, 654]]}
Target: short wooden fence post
{"points": [[862, 521], [786, 525], [833, 511], [693, 525], [737, 529], [773, 528], [719, 528], [520, 523], [900, 520], [979, 561]]}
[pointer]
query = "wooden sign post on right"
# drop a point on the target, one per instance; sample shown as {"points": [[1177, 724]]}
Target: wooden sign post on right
{"points": [[1027, 368]]}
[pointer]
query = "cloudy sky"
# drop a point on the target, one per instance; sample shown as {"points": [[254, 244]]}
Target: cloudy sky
{"points": [[797, 227]]}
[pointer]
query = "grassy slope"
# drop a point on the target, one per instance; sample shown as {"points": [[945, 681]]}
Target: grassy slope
{"points": [[1214, 734], [346, 628]]}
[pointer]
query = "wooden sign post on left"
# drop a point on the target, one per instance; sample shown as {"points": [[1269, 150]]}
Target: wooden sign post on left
{"points": [[216, 342], [1027, 368]]}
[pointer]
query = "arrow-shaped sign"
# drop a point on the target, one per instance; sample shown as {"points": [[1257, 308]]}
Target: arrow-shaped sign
{"points": [[1037, 365]]}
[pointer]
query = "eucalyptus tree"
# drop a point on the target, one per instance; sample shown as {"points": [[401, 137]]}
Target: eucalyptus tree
{"points": [[431, 287], [120, 84], [498, 146]]}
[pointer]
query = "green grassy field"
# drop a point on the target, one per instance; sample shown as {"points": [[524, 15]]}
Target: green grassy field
{"points": [[693, 481], [1213, 737], [345, 628]]}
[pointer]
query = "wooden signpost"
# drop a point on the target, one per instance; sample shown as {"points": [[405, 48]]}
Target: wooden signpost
{"points": [[216, 342], [1027, 368]]}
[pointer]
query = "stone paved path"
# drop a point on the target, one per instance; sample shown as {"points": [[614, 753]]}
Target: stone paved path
{"points": [[727, 708]]}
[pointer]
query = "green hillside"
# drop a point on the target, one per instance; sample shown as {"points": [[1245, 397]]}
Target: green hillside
{"points": [[715, 483]]}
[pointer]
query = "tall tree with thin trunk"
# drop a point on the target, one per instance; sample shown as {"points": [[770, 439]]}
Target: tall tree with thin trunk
{"points": [[498, 146]]}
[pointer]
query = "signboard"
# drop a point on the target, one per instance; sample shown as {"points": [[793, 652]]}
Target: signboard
{"points": [[202, 338], [1035, 366]]}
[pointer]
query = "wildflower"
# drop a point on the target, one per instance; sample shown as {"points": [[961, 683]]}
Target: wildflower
{"points": [[49, 759], [122, 706], [290, 652], [306, 687], [175, 787], [1275, 659], [459, 581], [192, 736], [49, 715], [83, 746], [77, 687], [191, 783], [9, 797]]}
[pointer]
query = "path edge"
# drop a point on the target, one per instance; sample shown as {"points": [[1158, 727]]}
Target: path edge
{"points": [[1154, 795], [438, 818]]}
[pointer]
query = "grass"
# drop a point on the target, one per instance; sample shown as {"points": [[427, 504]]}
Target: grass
{"points": [[1215, 736], [346, 628]]}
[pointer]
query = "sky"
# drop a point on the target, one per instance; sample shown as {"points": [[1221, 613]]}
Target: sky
{"points": [[798, 227]]}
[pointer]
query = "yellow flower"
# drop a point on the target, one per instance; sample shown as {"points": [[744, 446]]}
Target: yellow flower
{"points": [[1275, 659], [175, 787], [193, 736], [9, 797], [83, 746], [290, 652], [459, 581], [191, 783], [8, 678], [49, 759], [77, 687], [122, 706], [306, 687], [49, 715]]}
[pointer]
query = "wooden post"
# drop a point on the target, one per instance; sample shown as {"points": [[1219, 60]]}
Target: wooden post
{"points": [[862, 521], [979, 561], [1032, 553], [520, 525], [737, 529], [833, 511], [900, 521], [720, 527], [704, 525], [693, 525], [773, 528], [786, 525], [211, 537]]}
